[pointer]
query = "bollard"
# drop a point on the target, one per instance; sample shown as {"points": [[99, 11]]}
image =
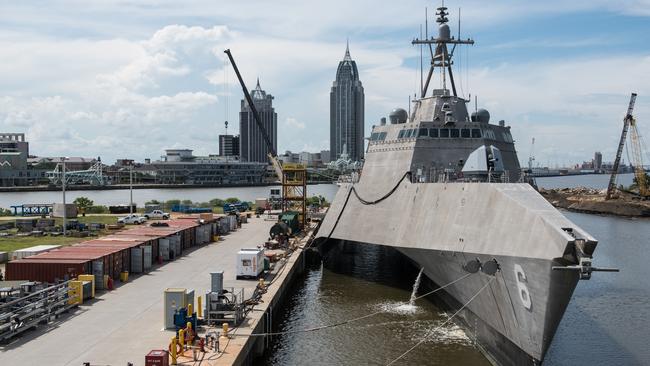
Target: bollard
{"points": [[200, 309], [173, 350], [261, 284], [181, 339], [189, 334], [224, 326], [190, 309]]}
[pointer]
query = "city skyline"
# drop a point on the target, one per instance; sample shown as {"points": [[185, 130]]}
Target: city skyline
{"points": [[123, 80]]}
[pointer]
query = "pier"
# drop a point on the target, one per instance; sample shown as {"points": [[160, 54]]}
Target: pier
{"points": [[123, 325]]}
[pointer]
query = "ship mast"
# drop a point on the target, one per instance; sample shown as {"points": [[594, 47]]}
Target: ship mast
{"points": [[442, 59]]}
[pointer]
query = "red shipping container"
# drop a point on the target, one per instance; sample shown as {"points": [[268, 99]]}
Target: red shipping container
{"points": [[46, 270], [156, 358]]}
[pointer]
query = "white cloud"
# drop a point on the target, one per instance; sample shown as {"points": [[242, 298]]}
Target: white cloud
{"points": [[294, 123]]}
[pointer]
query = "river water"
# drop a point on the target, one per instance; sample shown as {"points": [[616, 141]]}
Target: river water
{"points": [[140, 196]]}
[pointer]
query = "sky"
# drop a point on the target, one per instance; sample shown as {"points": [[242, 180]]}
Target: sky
{"points": [[128, 79]]}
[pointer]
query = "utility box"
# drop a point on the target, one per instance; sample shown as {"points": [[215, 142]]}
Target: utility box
{"points": [[216, 283], [175, 298], [250, 263], [156, 358]]}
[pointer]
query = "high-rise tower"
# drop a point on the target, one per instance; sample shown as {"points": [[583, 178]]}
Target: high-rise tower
{"points": [[346, 111], [252, 145]]}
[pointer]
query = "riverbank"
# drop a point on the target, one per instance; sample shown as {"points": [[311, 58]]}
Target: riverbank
{"points": [[51, 188], [592, 201]]}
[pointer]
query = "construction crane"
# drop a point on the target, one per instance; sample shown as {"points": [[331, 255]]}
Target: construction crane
{"points": [[293, 177], [637, 159], [627, 121]]}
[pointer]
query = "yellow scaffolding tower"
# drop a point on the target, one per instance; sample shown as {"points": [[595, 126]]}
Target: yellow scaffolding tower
{"points": [[294, 190]]}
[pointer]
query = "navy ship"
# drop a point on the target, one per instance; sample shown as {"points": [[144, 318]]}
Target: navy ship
{"points": [[444, 187]]}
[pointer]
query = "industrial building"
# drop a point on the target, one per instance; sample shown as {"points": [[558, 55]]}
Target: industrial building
{"points": [[14, 167], [180, 166], [252, 145], [347, 111]]}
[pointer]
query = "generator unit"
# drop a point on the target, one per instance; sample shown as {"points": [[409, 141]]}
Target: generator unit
{"points": [[250, 263]]}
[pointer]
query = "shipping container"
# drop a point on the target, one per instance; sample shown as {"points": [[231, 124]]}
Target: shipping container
{"points": [[28, 252], [44, 270]]}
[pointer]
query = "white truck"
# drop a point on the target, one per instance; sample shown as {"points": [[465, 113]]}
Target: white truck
{"points": [[156, 215], [132, 219]]}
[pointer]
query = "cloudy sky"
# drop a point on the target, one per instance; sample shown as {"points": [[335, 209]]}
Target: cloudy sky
{"points": [[122, 79]]}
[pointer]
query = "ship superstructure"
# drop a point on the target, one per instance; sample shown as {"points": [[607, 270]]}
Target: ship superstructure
{"points": [[443, 187]]}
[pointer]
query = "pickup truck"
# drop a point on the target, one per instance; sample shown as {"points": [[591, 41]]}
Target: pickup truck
{"points": [[132, 219], [156, 215]]}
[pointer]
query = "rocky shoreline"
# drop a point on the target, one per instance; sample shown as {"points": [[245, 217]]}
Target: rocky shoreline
{"points": [[589, 200]]}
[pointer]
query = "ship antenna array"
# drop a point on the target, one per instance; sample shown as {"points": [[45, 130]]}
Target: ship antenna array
{"points": [[441, 58]]}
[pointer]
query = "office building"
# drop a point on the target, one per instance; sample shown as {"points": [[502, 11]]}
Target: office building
{"points": [[253, 147], [228, 145], [347, 111]]}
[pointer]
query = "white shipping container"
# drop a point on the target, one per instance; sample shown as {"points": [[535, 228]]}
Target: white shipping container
{"points": [[27, 252], [250, 263]]}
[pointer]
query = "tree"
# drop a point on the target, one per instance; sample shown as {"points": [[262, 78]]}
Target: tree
{"points": [[217, 202], [153, 202], [186, 202], [83, 202], [232, 200]]}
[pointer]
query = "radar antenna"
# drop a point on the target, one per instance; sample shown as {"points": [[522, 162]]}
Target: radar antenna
{"points": [[442, 58]]}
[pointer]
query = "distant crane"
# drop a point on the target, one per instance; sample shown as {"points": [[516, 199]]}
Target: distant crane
{"points": [[531, 158], [293, 177], [629, 124]]}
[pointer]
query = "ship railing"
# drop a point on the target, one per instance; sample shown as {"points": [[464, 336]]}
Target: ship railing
{"points": [[453, 176]]}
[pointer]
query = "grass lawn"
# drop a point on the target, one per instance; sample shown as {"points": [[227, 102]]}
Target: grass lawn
{"points": [[12, 244], [15, 243]]}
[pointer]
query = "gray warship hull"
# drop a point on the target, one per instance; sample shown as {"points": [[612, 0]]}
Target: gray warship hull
{"points": [[444, 226]]}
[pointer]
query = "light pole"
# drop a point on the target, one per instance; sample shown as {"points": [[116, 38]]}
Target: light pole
{"points": [[63, 186], [131, 188]]}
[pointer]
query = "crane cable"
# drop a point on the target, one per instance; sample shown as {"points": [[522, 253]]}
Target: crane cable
{"points": [[429, 333]]}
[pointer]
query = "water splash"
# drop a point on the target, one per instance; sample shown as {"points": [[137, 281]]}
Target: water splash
{"points": [[416, 285]]}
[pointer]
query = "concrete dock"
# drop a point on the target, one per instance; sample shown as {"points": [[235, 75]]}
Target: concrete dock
{"points": [[125, 324]]}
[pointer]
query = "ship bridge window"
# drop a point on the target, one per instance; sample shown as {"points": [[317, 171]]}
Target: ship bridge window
{"points": [[423, 132], [400, 135], [464, 133], [382, 136], [476, 133], [454, 133], [433, 132], [444, 133], [374, 136]]}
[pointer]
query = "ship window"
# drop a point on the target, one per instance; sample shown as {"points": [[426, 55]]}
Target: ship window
{"points": [[411, 133], [382, 136], [454, 133], [476, 133], [433, 132], [464, 133], [373, 136], [423, 132], [401, 134], [444, 132]]}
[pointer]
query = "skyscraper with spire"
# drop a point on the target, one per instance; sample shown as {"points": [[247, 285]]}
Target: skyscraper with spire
{"points": [[252, 146], [346, 111]]}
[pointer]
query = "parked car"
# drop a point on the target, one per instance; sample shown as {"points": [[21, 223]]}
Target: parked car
{"points": [[132, 219], [156, 215]]}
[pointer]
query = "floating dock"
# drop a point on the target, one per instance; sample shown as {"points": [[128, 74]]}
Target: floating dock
{"points": [[123, 325]]}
